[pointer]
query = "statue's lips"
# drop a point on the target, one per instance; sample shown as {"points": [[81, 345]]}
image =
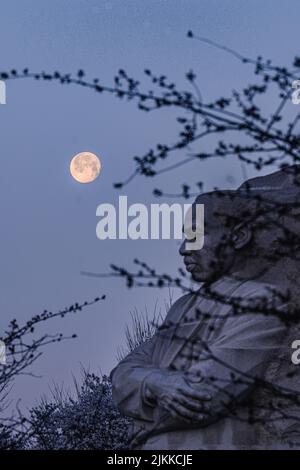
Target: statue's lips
{"points": [[190, 267]]}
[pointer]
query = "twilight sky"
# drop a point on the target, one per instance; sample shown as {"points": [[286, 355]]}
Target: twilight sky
{"points": [[48, 229]]}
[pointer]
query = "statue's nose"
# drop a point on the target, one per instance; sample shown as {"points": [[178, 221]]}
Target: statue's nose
{"points": [[182, 250]]}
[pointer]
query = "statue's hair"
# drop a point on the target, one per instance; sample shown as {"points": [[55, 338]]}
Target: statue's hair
{"points": [[271, 196], [233, 207]]}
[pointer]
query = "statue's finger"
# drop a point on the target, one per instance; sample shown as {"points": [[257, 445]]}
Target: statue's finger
{"points": [[194, 405], [190, 392], [182, 411]]}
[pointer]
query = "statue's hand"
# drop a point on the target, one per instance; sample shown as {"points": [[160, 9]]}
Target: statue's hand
{"points": [[174, 392]]}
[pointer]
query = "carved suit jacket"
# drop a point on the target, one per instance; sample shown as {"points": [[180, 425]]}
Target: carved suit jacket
{"points": [[240, 352]]}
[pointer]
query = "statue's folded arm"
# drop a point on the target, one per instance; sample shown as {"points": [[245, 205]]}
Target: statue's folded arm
{"points": [[232, 360], [128, 380]]}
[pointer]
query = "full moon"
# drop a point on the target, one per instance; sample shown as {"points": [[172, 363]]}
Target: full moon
{"points": [[85, 167]]}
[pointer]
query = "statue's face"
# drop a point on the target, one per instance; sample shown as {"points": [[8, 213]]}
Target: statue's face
{"points": [[215, 258]]}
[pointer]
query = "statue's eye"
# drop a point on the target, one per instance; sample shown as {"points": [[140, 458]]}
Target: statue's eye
{"points": [[190, 233]]}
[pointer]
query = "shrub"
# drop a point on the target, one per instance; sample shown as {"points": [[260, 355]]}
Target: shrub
{"points": [[89, 421]]}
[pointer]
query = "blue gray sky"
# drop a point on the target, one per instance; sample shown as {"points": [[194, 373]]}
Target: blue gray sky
{"points": [[48, 227]]}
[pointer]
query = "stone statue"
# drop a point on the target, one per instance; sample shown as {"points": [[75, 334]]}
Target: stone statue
{"points": [[207, 379]]}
